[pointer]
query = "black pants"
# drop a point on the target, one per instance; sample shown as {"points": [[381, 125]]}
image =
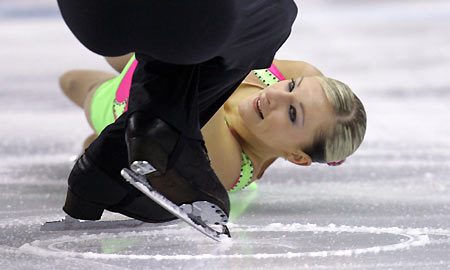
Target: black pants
{"points": [[192, 55]]}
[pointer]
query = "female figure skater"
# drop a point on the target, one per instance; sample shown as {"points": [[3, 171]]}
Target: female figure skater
{"points": [[309, 118]]}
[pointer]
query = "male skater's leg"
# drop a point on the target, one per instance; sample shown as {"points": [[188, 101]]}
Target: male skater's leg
{"points": [[171, 125], [95, 185]]}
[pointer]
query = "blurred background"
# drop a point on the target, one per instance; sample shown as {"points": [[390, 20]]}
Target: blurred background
{"points": [[394, 54]]}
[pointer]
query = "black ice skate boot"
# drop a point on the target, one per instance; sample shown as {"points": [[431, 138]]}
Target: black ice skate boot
{"points": [[175, 166], [91, 190]]}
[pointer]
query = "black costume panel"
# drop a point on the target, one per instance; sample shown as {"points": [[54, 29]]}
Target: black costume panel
{"points": [[245, 34]]}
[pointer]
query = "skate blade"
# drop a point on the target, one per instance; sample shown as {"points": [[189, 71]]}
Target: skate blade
{"points": [[191, 218], [72, 224]]}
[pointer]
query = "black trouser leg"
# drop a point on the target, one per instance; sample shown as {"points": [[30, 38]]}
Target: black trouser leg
{"points": [[175, 31], [169, 92]]}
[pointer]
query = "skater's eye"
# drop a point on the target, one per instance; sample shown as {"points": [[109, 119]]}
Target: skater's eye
{"points": [[292, 108], [291, 85], [292, 114]]}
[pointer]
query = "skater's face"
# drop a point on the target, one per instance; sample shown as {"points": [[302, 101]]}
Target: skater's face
{"points": [[286, 116]]}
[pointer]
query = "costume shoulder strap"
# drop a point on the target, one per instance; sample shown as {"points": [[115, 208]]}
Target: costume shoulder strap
{"points": [[269, 75]]}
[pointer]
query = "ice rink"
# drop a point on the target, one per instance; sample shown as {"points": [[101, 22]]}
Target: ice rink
{"points": [[387, 207]]}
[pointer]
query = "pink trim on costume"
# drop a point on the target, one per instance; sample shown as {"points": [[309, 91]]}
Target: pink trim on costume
{"points": [[235, 183], [123, 92], [276, 72]]}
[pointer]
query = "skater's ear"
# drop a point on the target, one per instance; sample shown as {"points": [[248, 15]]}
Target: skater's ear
{"points": [[298, 158]]}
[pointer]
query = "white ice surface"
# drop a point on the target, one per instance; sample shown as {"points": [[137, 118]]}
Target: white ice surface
{"points": [[387, 207]]}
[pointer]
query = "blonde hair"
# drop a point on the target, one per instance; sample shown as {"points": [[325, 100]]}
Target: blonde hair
{"points": [[346, 135]]}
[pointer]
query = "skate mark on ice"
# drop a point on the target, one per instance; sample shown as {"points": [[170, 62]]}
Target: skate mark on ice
{"points": [[172, 236]]}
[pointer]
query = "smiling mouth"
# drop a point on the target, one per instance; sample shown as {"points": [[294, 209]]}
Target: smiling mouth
{"points": [[258, 106]]}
